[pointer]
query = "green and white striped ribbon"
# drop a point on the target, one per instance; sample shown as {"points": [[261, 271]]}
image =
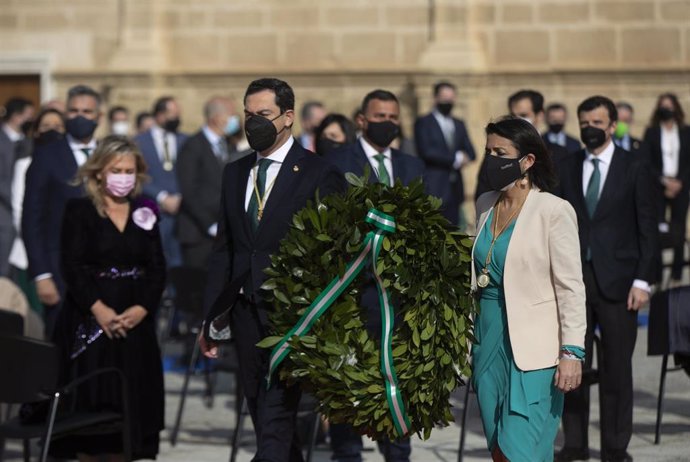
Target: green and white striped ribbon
{"points": [[371, 247]]}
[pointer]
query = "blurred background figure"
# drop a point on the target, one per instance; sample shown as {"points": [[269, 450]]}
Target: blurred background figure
{"points": [[56, 104], [334, 131], [668, 141], [556, 120], [17, 117], [160, 145], [199, 172], [311, 115], [118, 121], [445, 147], [144, 122], [48, 127], [47, 190], [622, 137]]}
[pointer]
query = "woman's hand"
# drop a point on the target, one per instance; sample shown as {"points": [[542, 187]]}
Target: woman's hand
{"points": [[106, 317], [568, 375], [131, 317]]}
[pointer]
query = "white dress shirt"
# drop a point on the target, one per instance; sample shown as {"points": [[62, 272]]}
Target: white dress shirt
{"points": [[447, 125], [77, 146], [13, 135], [214, 140], [557, 138], [604, 163], [18, 257], [670, 151], [371, 153], [158, 135], [278, 158]]}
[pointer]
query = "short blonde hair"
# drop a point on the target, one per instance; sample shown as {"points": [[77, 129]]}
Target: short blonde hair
{"points": [[108, 149]]}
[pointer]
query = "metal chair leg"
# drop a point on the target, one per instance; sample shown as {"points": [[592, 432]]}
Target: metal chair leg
{"points": [[660, 400], [239, 423], [49, 429], [183, 394], [312, 437], [26, 444], [463, 430]]}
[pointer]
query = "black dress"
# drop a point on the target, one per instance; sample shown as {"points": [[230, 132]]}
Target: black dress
{"points": [[121, 269]]}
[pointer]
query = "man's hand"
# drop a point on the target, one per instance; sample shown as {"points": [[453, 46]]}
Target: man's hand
{"points": [[568, 375], [47, 292], [672, 187], [209, 349], [131, 317], [171, 203], [637, 298]]}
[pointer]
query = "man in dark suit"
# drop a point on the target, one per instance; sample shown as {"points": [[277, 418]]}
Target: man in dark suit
{"points": [[14, 144], [528, 105], [445, 147], [260, 194], [48, 188], [160, 146], [622, 137], [612, 196], [199, 173], [556, 118], [380, 116]]}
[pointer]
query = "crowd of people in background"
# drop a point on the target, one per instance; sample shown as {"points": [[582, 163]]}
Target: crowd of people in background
{"points": [[47, 154]]}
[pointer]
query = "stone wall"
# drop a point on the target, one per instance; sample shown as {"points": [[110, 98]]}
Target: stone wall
{"points": [[335, 51]]}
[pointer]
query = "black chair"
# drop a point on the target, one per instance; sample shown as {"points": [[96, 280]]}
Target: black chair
{"points": [[30, 374], [589, 377], [11, 323]]}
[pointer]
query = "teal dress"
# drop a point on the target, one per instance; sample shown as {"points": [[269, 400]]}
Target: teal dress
{"points": [[520, 410]]}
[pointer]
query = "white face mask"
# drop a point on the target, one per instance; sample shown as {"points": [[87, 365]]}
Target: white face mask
{"points": [[121, 128]]}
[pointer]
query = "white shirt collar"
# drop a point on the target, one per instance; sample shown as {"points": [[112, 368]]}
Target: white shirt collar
{"points": [[158, 132], [281, 153], [12, 134], [371, 152], [77, 145], [212, 137], [605, 156]]}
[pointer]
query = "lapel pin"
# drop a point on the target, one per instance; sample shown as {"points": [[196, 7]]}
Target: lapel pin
{"points": [[295, 169]]}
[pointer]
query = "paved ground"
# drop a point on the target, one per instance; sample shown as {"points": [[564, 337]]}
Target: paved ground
{"points": [[205, 432]]}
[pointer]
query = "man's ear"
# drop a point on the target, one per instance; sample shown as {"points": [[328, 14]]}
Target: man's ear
{"points": [[289, 118]]}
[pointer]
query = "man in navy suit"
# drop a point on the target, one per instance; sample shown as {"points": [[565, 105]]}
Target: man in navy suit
{"points": [[160, 146], [260, 194], [444, 145], [556, 118], [48, 188], [379, 121]]}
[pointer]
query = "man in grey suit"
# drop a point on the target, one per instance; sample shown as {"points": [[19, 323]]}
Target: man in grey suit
{"points": [[17, 119]]}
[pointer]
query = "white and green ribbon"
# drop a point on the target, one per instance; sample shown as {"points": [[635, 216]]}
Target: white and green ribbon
{"points": [[371, 247]]}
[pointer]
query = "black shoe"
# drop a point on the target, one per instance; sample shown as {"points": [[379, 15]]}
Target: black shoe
{"points": [[569, 454], [619, 457]]}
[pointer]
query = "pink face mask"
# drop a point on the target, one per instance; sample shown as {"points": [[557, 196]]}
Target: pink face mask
{"points": [[120, 184]]}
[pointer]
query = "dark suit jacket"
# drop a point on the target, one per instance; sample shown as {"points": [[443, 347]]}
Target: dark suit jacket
{"points": [[199, 175], [161, 180], [352, 158], [439, 158], [622, 234], [572, 145], [558, 155], [7, 158], [636, 145], [652, 141], [240, 255], [47, 191]]}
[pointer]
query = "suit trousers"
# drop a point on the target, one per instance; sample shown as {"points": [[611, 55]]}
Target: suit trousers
{"points": [[197, 254], [273, 411], [618, 331], [346, 445], [171, 246], [678, 226]]}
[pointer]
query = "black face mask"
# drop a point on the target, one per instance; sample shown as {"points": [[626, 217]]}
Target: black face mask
{"points": [[555, 128], [326, 146], [49, 137], [26, 126], [382, 134], [261, 133], [171, 125], [593, 137], [665, 114], [80, 127], [445, 108], [502, 172]]}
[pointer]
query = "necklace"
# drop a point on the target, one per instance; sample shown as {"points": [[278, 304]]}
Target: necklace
{"points": [[484, 279], [261, 201]]}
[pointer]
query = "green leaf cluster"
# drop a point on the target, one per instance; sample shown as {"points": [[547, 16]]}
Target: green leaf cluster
{"points": [[425, 265]]}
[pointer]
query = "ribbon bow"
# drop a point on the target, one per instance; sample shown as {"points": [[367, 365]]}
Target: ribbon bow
{"points": [[371, 247]]}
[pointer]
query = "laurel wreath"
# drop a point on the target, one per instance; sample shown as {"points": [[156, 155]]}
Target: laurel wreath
{"points": [[425, 265]]}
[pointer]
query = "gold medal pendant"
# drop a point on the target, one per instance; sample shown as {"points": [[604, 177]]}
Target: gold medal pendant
{"points": [[167, 166], [259, 214], [483, 279]]}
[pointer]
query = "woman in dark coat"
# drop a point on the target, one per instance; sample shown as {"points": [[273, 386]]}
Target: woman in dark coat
{"points": [[114, 270]]}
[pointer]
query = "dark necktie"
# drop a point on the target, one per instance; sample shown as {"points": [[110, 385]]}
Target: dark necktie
{"points": [[592, 194], [382, 171], [253, 208], [86, 151]]}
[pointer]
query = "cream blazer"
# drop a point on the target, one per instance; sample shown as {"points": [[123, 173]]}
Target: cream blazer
{"points": [[542, 279]]}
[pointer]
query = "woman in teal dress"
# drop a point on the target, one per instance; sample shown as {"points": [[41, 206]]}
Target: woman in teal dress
{"points": [[529, 334]]}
